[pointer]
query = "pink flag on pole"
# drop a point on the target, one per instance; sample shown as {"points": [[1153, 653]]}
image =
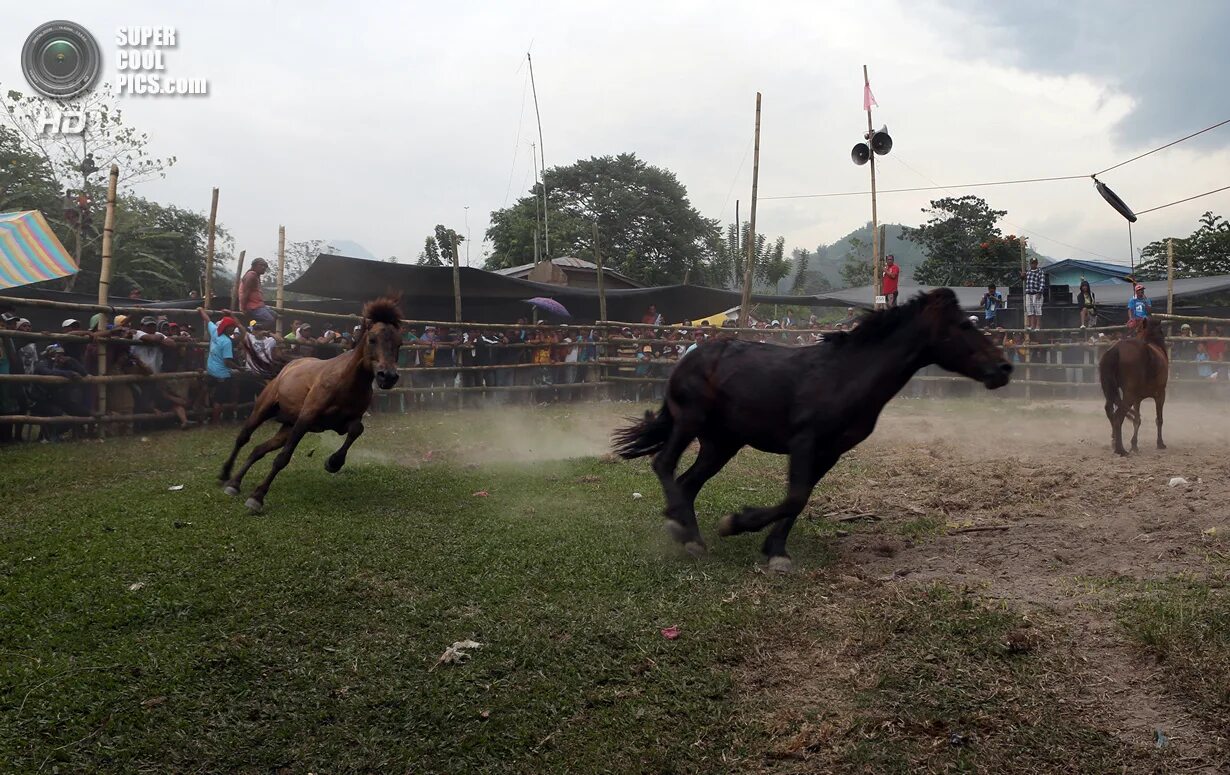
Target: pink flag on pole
{"points": [[869, 99]]}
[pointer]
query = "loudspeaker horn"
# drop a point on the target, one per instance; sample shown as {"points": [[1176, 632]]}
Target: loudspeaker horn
{"points": [[861, 154], [1114, 201], [881, 142]]}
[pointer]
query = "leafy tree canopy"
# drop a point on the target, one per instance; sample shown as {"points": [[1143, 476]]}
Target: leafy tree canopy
{"points": [[1206, 251], [964, 244]]}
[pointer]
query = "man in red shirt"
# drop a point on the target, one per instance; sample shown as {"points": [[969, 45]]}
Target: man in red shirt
{"points": [[891, 273], [251, 301]]}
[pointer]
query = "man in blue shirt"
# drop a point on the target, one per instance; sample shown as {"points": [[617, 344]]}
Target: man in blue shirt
{"points": [[221, 361], [991, 302], [1138, 306]]}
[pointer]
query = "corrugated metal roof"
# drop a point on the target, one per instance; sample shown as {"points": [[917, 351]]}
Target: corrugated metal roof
{"points": [[566, 262]]}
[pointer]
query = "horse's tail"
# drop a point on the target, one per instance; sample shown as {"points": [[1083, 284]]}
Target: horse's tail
{"points": [[1108, 372], [645, 437]]}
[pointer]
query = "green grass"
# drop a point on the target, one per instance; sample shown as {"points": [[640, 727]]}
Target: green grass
{"points": [[303, 637], [1185, 624]]}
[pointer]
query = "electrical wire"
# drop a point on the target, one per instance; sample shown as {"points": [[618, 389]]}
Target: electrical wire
{"points": [[1181, 201], [927, 188], [1164, 147]]}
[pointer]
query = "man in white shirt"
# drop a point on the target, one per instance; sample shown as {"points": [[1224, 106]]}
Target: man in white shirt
{"points": [[149, 352]]}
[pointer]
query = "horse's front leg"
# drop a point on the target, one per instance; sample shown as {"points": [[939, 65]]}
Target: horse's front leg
{"points": [[258, 417], [338, 459], [1116, 430], [256, 501]]}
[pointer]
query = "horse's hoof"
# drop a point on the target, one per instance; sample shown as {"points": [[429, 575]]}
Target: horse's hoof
{"points": [[676, 531], [231, 490], [726, 526], [1161, 446], [780, 564], [254, 505], [695, 548], [332, 467]]}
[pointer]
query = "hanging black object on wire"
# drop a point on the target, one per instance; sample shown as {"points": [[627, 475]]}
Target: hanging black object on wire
{"points": [[1114, 201]]}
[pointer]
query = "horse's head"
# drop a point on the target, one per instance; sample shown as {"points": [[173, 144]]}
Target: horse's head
{"points": [[382, 339], [955, 343]]}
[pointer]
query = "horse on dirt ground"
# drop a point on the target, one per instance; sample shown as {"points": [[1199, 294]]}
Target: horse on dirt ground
{"points": [[813, 403], [1132, 370], [311, 395]]}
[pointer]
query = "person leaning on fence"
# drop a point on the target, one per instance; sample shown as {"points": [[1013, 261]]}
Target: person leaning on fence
{"points": [[1035, 287], [1087, 303], [1138, 307], [220, 366], [991, 302], [53, 400]]}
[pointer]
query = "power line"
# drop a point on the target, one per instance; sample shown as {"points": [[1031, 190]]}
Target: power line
{"points": [[1181, 201], [735, 180], [1164, 147], [927, 188]]}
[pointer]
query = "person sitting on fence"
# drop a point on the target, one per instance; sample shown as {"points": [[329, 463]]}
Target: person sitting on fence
{"points": [[221, 366], [1087, 303], [251, 301], [1138, 307]]}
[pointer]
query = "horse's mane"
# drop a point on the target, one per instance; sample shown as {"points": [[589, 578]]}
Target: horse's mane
{"points": [[383, 310], [877, 326], [1151, 331]]}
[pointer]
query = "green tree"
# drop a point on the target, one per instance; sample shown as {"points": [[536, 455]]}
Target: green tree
{"points": [[1206, 251], [953, 237], [26, 178], [856, 266], [649, 229], [727, 253], [438, 248], [430, 254], [161, 249], [300, 255]]}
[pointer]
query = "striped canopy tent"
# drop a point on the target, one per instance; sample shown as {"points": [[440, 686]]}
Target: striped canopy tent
{"points": [[30, 252]]}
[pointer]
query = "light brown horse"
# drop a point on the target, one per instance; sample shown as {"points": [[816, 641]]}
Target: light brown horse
{"points": [[312, 396], [1131, 371]]}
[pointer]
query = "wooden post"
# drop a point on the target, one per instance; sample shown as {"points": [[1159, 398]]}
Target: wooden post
{"points": [[875, 230], [879, 281], [1170, 276], [601, 282], [104, 283], [207, 301], [751, 240], [238, 280], [281, 274], [456, 280]]}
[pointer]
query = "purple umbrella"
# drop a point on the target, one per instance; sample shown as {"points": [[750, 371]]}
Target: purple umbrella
{"points": [[550, 305]]}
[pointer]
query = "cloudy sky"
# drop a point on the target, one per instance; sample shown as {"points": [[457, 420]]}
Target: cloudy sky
{"points": [[374, 121]]}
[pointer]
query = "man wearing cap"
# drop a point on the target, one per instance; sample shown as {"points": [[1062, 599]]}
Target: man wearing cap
{"points": [[52, 400], [1035, 285], [1138, 306], [251, 300], [221, 361], [75, 350], [149, 351]]}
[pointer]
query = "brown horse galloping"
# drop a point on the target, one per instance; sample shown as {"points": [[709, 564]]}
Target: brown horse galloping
{"points": [[312, 396], [1131, 371]]}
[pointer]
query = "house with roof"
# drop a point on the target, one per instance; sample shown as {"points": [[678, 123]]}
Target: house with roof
{"points": [[1071, 271], [571, 272]]}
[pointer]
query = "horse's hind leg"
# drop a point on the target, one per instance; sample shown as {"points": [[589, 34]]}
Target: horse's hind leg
{"points": [[256, 501], [1136, 424], [664, 464], [276, 441], [338, 459], [255, 420], [1160, 400]]}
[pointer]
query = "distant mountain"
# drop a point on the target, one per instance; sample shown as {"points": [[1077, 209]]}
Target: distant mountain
{"points": [[345, 247]]}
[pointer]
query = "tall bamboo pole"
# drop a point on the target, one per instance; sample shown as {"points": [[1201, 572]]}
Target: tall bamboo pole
{"points": [[104, 282], [546, 230], [238, 280], [456, 280], [207, 302], [1170, 276], [875, 232], [281, 274], [751, 241], [601, 281]]}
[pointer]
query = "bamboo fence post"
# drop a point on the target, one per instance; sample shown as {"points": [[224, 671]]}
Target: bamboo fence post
{"points": [[751, 240], [207, 302], [281, 275], [104, 281], [238, 280], [601, 305], [875, 230], [456, 280], [1170, 276]]}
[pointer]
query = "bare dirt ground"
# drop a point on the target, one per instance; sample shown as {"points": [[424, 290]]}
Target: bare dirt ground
{"points": [[1036, 511]]}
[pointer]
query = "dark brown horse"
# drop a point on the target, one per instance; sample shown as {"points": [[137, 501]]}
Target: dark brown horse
{"points": [[1132, 370], [812, 403], [312, 396]]}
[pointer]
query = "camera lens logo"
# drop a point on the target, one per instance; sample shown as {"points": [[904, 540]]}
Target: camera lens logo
{"points": [[61, 60]]}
